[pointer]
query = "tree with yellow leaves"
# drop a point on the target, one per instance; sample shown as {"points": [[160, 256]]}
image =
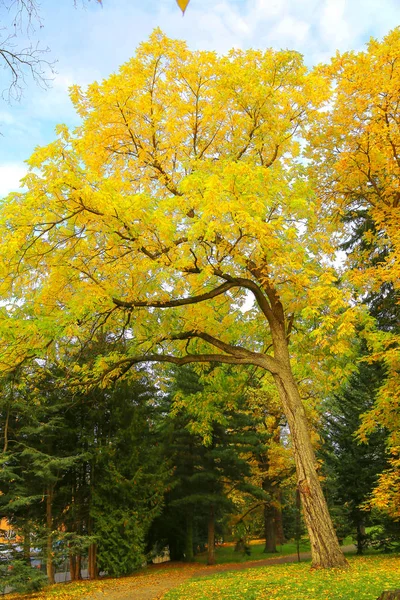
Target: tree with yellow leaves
{"points": [[178, 218], [356, 152]]}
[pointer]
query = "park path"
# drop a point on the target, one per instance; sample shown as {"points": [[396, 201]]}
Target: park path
{"points": [[159, 579]]}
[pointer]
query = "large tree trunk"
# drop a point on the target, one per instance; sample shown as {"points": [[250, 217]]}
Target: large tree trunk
{"points": [[211, 536], [325, 549], [49, 533]]}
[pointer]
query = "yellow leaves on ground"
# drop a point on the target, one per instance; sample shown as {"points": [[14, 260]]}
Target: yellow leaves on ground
{"points": [[152, 582], [365, 580]]}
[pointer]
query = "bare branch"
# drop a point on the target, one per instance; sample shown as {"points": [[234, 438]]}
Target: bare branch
{"points": [[22, 62]]}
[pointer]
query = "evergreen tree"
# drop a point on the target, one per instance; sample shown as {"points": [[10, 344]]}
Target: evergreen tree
{"points": [[82, 469], [209, 437], [353, 467]]}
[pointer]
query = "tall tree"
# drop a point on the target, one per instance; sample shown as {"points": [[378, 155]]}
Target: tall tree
{"points": [[352, 467], [209, 450], [160, 218], [82, 469], [356, 152]]}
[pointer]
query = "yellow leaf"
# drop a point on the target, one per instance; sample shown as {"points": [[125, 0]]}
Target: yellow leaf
{"points": [[182, 4]]}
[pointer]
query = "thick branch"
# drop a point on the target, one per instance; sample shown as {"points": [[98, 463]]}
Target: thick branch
{"points": [[250, 285], [121, 367], [261, 360], [221, 289]]}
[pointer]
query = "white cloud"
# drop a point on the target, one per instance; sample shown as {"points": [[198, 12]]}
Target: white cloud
{"points": [[334, 26], [10, 176], [6, 118], [289, 28], [267, 9]]}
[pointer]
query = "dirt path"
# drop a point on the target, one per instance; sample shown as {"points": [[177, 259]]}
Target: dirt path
{"points": [[151, 584], [158, 579]]}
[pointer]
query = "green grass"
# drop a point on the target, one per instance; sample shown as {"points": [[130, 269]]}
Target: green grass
{"points": [[366, 578], [226, 554]]}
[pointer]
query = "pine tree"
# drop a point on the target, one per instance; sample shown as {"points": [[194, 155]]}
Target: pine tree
{"points": [[353, 467]]}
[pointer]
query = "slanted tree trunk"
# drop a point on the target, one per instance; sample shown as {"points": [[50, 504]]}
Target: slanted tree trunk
{"points": [[390, 595], [325, 549], [211, 536], [49, 533], [189, 556], [298, 523]]}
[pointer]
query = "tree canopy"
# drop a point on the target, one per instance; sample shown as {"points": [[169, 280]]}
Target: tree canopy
{"points": [[356, 159], [179, 223]]}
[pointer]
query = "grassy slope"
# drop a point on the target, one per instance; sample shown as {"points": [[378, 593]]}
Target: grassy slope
{"points": [[366, 578]]}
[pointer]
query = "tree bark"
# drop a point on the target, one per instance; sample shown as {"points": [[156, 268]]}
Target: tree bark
{"points": [[92, 566], [280, 536], [75, 567], [189, 556], [78, 567], [360, 537], [27, 544], [49, 543], [269, 529], [72, 566], [211, 536], [325, 549]]}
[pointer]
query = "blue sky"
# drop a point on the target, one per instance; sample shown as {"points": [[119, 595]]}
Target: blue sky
{"points": [[91, 41]]}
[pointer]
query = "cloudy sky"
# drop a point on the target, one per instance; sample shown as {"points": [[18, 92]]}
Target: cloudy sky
{"points": [[90, 41]]}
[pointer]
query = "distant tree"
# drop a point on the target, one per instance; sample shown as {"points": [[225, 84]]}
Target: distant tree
{"points": [[207, 468], [356, 152], [82, 471], [352, 468]]}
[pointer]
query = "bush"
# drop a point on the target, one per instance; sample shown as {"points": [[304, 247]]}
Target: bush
{"points": [[22, 578]]}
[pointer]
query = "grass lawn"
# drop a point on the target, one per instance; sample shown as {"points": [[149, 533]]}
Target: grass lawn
{"points": [[366, 578], [226, 554]]}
